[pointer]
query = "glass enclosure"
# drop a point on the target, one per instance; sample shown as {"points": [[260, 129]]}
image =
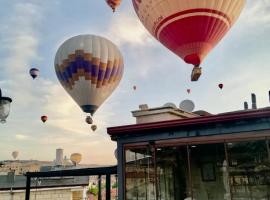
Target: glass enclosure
{"points": [[238, 170], [209, 171], [249, 170]]}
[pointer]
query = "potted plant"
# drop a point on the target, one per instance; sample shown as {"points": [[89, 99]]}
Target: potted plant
{"points": [[92, 192]]}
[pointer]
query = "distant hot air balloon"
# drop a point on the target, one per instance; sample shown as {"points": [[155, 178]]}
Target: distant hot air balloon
{"points": [[113, 4], [89, 120], [15, 154], [89, 67], [188, 91], [34, 72], [94, 127], [76, 158], [220, 85], [44, 118], [189, 28], [134, 87]]}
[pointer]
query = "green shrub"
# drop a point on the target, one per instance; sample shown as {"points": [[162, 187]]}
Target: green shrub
{"points": [[93, 190]]}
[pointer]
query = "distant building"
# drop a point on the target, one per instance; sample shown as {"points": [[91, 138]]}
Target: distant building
{"points": [[194, 155], [20, 167], [58, 188], [59, 157]]}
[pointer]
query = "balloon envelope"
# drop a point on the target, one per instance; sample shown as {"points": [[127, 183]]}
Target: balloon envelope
{"points": [[220, 85], [15, 154], [76, 158], [189, 28], [44, 118], [94, 127], [34, 72], [113, 3], [89, 67], [89, 120]]}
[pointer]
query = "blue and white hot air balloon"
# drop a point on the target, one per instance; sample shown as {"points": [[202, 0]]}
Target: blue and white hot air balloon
{"points": [[89, 67], [34, 72]]}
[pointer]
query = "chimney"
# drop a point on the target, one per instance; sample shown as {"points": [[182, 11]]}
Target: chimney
{"points": [[246, 105], [143, 107], [253, 100]]}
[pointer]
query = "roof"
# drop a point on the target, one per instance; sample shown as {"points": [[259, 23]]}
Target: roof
{"points": [[163, 109], [196, 121]]}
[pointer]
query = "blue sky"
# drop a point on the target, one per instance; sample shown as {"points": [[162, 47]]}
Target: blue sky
{"points": [[32, 30]]}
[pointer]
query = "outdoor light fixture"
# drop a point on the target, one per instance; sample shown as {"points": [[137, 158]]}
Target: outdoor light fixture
{"points": [[4, 107]]}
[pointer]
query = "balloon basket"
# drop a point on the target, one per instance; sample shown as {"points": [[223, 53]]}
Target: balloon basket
{"points": [[196, 73]]}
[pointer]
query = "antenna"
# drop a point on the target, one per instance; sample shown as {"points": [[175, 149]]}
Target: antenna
{"points": [[187, 105]]}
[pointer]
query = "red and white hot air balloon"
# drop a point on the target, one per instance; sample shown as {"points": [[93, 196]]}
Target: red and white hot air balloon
{"points": [[44, 118], [113, 4], [189, 28]]}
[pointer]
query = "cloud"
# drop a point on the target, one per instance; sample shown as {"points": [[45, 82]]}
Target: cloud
{"points": [[22, 137], [126, 29], [257, 13]]}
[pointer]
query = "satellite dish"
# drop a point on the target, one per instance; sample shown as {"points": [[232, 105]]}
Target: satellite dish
{"points": [[172, 105], [187, 105]]}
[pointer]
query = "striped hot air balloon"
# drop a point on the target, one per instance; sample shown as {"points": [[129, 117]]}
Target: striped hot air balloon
{"points": [[113, 4], [89, 67], [189, 28]]}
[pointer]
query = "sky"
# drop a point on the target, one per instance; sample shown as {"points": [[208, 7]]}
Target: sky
{"points": [[32, 30]]}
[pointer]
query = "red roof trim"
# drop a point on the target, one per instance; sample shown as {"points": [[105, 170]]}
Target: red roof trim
{"points": [[190, 121]]}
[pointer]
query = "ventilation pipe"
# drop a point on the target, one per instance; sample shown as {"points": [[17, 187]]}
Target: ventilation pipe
{"points": [[246, 105], [253, 100]]}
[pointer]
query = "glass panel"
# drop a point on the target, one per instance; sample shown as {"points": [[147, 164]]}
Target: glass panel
{"points": [[209, 172], [140, 174], [172, 173], [249, 170]]}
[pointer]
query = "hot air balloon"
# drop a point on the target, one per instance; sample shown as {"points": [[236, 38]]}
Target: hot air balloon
{"points": [[76, 158], [220, 86], [113, 4], [44, 118], [34, 72], [15, 154], [89, 120], [189, 28], [134, 87], [89, 67], [94, 127], [188, 91]]}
